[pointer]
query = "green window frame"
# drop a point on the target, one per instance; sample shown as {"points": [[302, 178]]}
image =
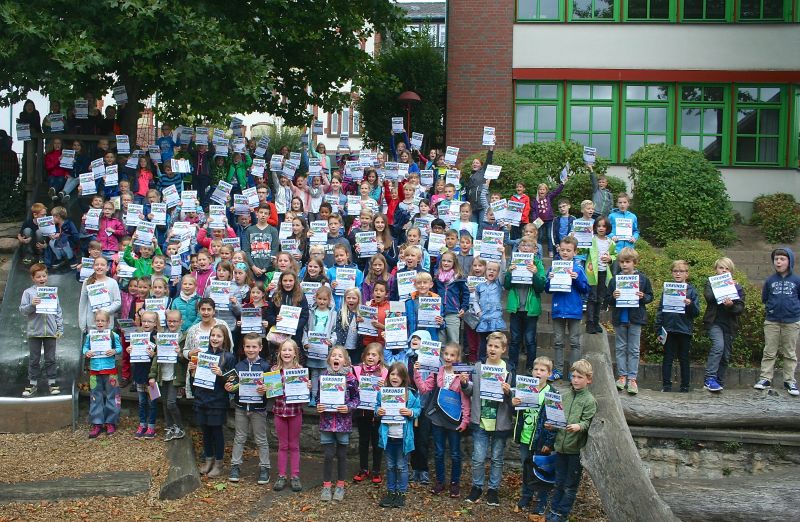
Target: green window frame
{"points": [[647, 116], [703, 120], [763, 11], [759, 130], [592, 116], [538, 112], [795, 159], [540, 11], [706, 11], [594, 10], [650, 11]]}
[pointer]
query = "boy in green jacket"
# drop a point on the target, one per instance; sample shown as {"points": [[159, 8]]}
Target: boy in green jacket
{"points": [[144, 262], [524, 306], [579, 408]]}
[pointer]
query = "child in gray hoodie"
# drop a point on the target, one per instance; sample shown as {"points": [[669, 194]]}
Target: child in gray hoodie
{"points": [[43, 330]]}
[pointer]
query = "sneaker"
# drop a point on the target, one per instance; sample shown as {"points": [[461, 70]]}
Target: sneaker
{"points": [[399, 500], [296, 485], [150, 433], [280, 483], [361, 476], [52, 193], [29, 390], [666, 389], [177, 433], [711, 385], [541, 508], [111, 429], [455, 490], [65, 199], [140, 431], [621, 382], [234, 476], [263, 475], [376, 477], [555, 376], [424, 478], [55, 390], [326, 494], [168, 434], [474, 495], [552, 516], [437, 488], [338, 493], [492, 498], [762, 384], [27, 261], [413, 477], [95, 431], [523, 503], [633, 388], [61, 195], [388, 500], [791, 387]]}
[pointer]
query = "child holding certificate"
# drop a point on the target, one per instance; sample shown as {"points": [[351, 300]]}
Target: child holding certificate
{"points": [[628, 316], [141, 352], [452, 288], [523, 304], [397, 436], [354, 277], [338, 396], [371, 375], [101, 347], [321, 321], [44, 329], [169, 371], [288, 293], [624, 223], [489, 306], [721, 319], [600, 258]]}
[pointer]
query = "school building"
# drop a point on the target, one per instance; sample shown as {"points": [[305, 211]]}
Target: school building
{"points": [[718, 76]]}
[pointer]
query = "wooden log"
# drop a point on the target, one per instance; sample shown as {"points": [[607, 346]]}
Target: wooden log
{"points": [[756, 497], [183, 477], [610, 456], [729, 409], [115, 484]]}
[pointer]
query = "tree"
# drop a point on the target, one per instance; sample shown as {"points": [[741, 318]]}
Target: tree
{"points": [[413, 65], [203, 59]]}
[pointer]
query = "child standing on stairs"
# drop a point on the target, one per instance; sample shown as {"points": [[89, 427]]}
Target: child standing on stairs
{"points": [[44, 329]]}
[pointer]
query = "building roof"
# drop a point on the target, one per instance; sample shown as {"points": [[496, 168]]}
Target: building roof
{"points": [[419, 11]]}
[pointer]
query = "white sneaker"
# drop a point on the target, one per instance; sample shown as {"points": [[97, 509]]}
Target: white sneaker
{"points": [[169, 434]]}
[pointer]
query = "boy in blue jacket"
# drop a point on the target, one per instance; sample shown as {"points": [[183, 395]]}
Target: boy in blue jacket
{"points": [[781, 298], [621, 212], [568, 308]]}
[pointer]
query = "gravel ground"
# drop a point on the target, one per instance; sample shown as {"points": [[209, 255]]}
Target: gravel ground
{"points": [[68, 454]]}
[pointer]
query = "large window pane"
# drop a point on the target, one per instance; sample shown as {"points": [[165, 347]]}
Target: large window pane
{"points": [[525, 116], [693, 9], [637, 8], [602, 92], [773, 9], [601, 119], [659, 9], [548, 91], [746, 150], [526, 91], [581, 92], [768, 150], [712, 121], [537, 10], [712, 148], [690, 121], [602, 142], [546, 117], [633, 142], [769, 119], [715, 9], [579, 117], [634, 119], [521, 138], [581, 9], [657, 120]]}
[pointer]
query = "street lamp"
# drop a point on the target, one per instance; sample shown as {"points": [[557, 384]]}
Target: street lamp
{"points": [[409, 98]]}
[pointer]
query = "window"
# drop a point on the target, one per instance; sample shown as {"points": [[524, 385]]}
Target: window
{"points": [[646, 116], [539, 10], [650, 10], [796, 159], [594, 10], [537, 114], [759, 120], [761, 10], [592, 117], [707, 10], [703, 120], [356, 123], [345, 119], [333, 124]]}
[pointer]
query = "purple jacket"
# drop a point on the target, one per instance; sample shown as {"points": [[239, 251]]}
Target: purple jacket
{"points": [[338, 422], [543, 208]]}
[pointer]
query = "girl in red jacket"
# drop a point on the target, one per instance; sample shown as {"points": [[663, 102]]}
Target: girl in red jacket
{"points": [[521, 197], [56, 176]]}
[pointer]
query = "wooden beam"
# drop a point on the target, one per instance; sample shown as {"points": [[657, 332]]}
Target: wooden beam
{"points": [[714, 435], [115, 484]]}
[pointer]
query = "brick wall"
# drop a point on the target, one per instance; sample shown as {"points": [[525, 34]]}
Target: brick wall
{"points": [[479, 72]]}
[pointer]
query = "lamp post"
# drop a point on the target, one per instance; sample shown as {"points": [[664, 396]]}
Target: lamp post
{"points": [[408, 98]]}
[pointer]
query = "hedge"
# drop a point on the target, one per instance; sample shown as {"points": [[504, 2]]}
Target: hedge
{"points": [[778, 215]]}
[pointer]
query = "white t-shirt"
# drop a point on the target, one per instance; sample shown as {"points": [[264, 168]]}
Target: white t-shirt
{"points": [[602, 249]]}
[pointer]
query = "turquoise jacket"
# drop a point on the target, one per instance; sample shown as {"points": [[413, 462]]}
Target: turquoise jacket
{"points": [[415, 406]]}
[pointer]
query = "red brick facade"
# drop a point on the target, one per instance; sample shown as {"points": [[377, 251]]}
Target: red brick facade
{"points": [[479, 73]]}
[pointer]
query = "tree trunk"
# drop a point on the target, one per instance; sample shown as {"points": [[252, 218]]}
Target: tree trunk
{"points": [[730, 409], [757, 497], [610, 455], [129, 121], [116, 484]]}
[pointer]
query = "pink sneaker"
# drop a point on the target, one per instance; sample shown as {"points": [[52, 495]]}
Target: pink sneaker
{"points": [[140, 432], [150, 433], [95, 431], [110, 429]]}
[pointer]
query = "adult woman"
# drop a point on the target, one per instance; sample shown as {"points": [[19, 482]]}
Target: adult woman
{"points": [[197, 335]]}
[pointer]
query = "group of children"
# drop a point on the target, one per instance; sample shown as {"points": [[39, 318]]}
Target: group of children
{"points": [[318, 277]]}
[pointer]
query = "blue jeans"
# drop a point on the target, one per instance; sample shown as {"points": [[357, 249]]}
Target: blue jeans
{"points": [[453, 439], [61, 252], [104, 399], [568, 478], [627, 349], [523, 326], [720, 352], [147, 410], [71, 184], [396, 466], [481, 442], [545, 243]]}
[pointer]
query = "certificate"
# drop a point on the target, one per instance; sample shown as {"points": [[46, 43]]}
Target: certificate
{"points": [[492, 245], [88, 185], [368, 392], [123, 144], [159, 306], [258, 168], [367, 243], [295, 385], [345, 279], [159, 211], [188, 200], [171, 196], [144, 233], [582, 230], [429, 309], [221, 192], [628, 286], [167, 346], [220, 293], [396, 332], [99, 342], [416, 140], [492, 171], [527, 390], [353, 205], [492, 379], [514, 212], [723, 287], [98, 296], [285, 232], [561, 280], [46, 225], [155, 153], [429, 355], [251, 321], [519, 268], [67, 160], [623, 229], [140, 344], [111, 176], [93, 219], [331, 391], [203, 376], [310, 291], [87, 269], [589, 155], [436, 245], [317, 345], [367, 314], [673, 298], [392, 401], [317, 128], [48, 296], [554, 410], [451, 155], [248, 387], [397, 125], [405, 283], [288, 319], [319, 230], [488, 136]]}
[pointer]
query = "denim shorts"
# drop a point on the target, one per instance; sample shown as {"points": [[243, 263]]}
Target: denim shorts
{"points": [[329, 437]]}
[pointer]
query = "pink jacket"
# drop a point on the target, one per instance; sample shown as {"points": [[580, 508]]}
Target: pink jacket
{"points": [[204, 239], [426, 386], [110, 241]]}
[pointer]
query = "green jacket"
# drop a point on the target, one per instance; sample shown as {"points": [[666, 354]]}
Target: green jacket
{"points": [[239, 170], [594, 259], [179, 370], [533, 304], [579, 408], [144, 267]]}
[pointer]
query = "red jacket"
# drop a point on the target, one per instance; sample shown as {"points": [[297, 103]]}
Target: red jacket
{"points": [[391, 203], [526, 212], [51, 161]]}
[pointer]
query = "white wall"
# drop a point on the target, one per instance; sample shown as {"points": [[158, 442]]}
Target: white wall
{"points": [[658, 46]]}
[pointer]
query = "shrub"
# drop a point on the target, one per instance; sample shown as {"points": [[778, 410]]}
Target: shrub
{"points": [[516, 168], [778, 215], [579, 187], [552, 156], [700, 255], [677, 192]]}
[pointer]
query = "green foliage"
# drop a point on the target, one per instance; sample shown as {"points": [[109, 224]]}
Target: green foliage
{"points": [[679, 193], [579, 187], [700, 255], [685, 444], [732, 446], [411, 66], [284, 136], [778, 215], [516, 168], [552, 156]]}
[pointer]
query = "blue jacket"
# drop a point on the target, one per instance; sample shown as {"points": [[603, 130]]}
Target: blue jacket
{"points": [[781, 294], [455, 295], [412, 404], [103, 363], [569, 305], [331, 273], [679, 323], [555, 234], [617, 213], [412, 307]]}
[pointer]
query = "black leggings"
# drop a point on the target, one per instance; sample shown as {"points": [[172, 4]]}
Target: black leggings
{"points": [[368, 434], [213, 442], [340, 452]]}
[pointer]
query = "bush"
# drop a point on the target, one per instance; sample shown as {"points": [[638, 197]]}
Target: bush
{"points": [[677, 192], [778, 215], [552, 156], [13, 205], [579, 187], [700, 255], [516, 168]]}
